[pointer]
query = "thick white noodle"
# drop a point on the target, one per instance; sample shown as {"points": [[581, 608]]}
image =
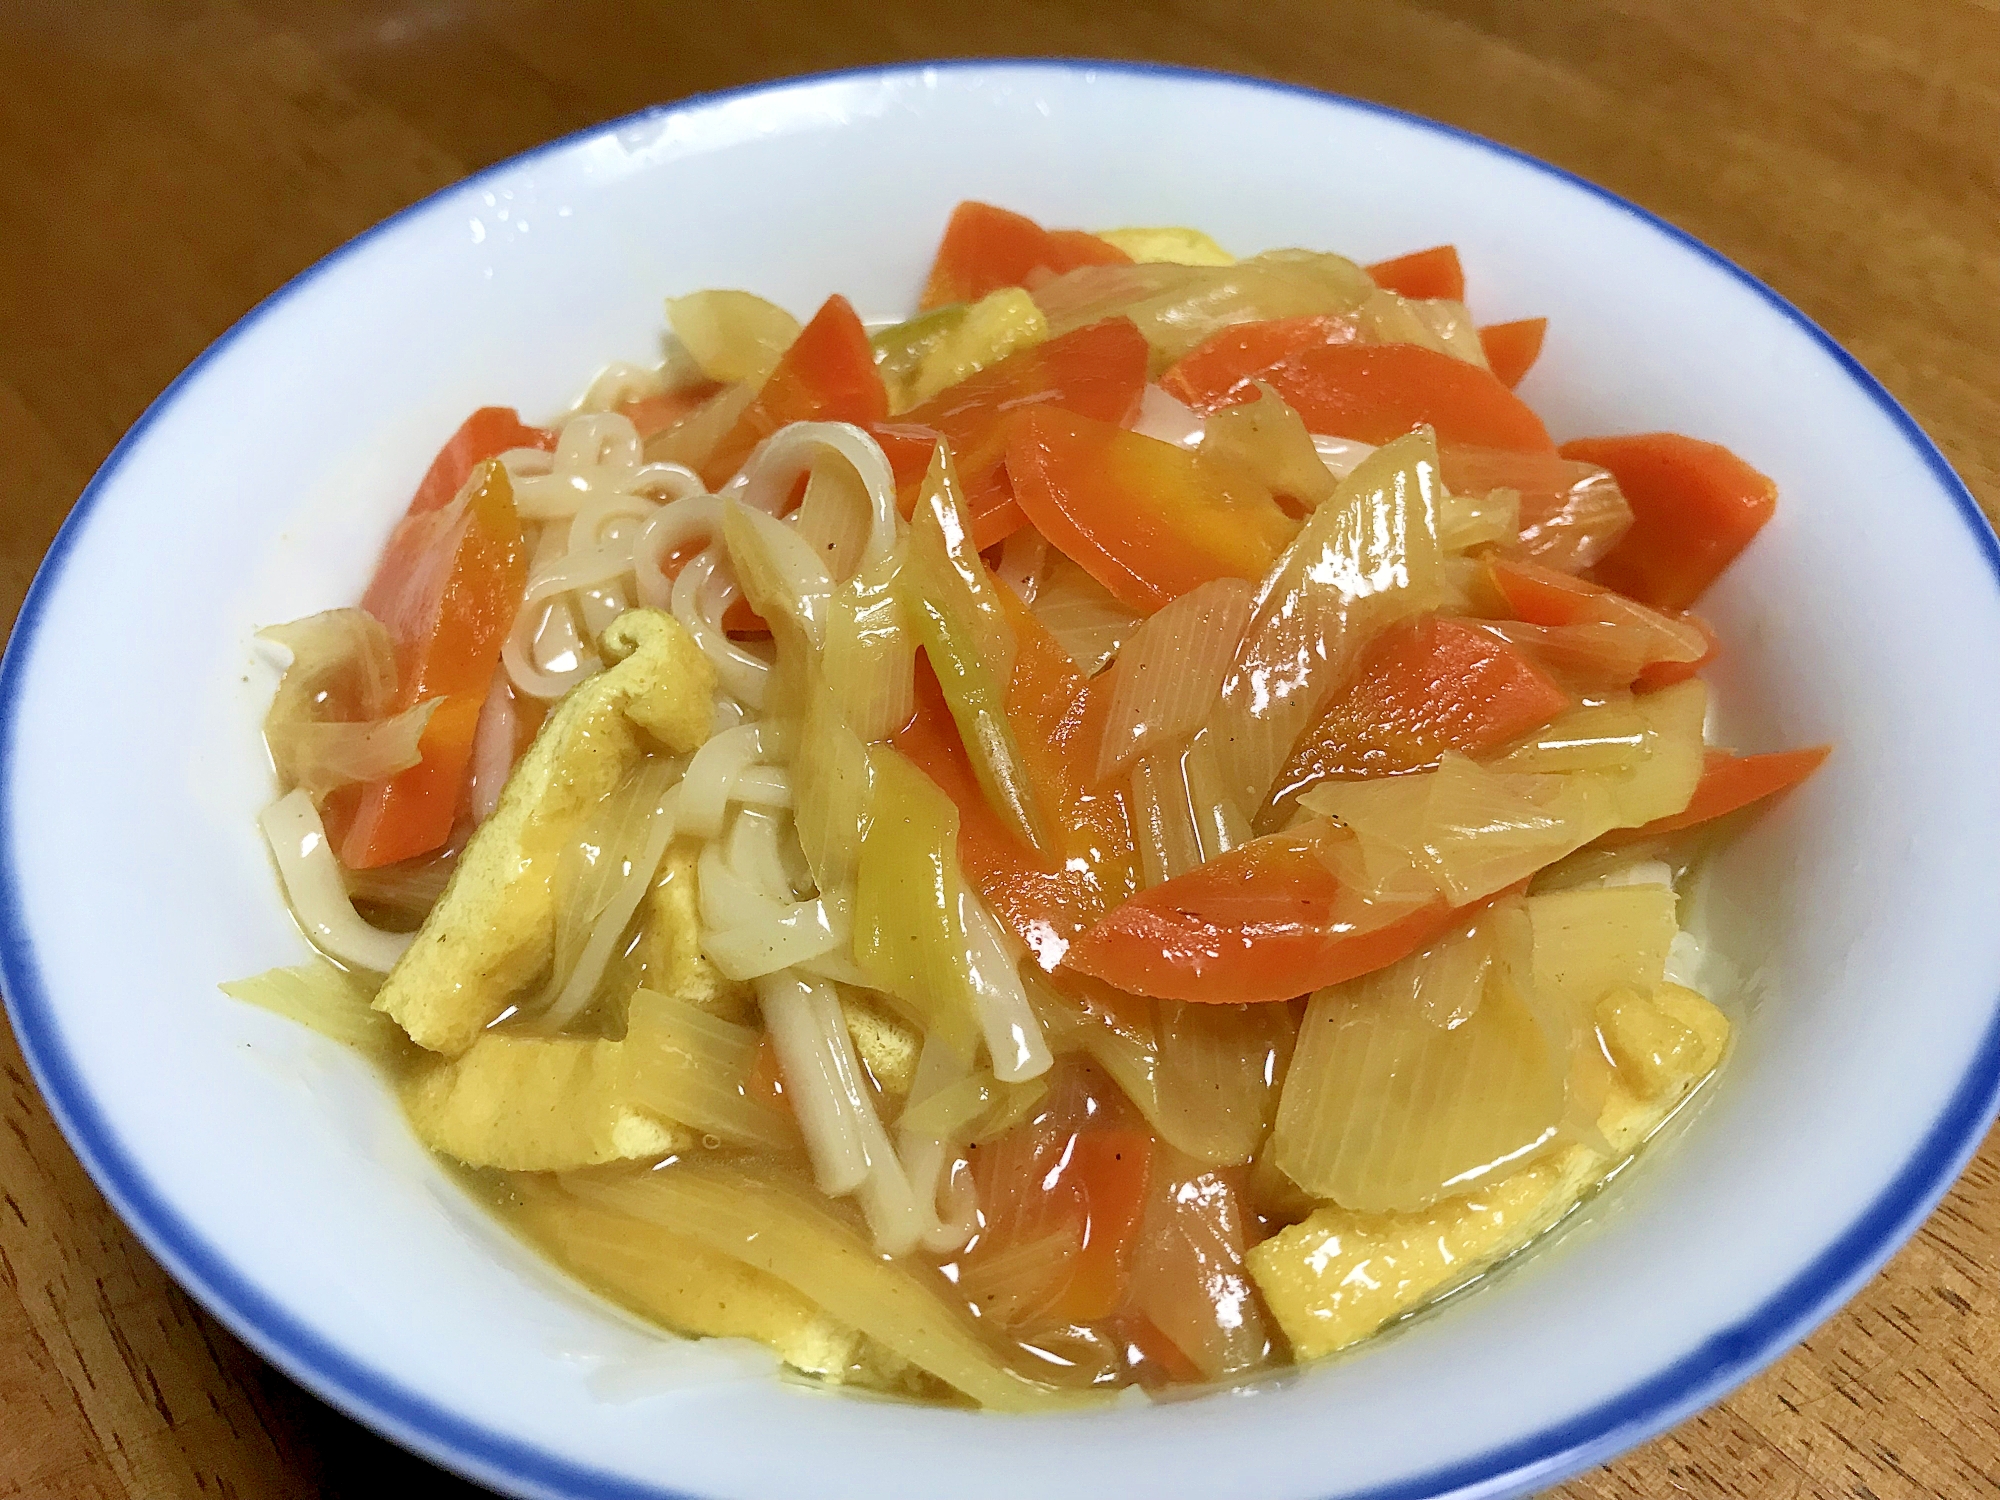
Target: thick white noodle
{"points": [[711, 778], [319, 900], [822, 1077], [789, 454]]}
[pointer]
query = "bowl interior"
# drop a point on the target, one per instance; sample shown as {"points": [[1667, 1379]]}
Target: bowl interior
{"points": [[275, 1176]]}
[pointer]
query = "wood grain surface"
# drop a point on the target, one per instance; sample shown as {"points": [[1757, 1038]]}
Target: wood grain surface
{"points": [[164, 166]]}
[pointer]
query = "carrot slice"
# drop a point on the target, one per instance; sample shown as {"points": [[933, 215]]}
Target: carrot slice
{"points": [[1427, 686], [1695, 506], [827, 375], [1223, 368], [1512, 348], [1266, 921], [987, 248], [1373, 392], [1144, 518], [487, 433], [1098, 371], [1729, 782], [1422, 273], [1542, 596], [446, 588]]}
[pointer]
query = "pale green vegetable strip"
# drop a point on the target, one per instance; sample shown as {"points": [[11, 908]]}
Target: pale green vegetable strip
{"points": [[908, 927], [779, 1232], [950, 606], [327, 998]]}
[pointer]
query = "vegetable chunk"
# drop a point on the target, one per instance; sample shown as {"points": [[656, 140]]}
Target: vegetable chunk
{"points": [[1339, 1276], [494, 927]]}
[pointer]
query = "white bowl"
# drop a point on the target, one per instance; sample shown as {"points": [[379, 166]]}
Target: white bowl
{"points": [[272, 1174]]}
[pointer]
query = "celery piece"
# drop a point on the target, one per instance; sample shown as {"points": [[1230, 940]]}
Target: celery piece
{"points": [[909, 934], [949, 602]]}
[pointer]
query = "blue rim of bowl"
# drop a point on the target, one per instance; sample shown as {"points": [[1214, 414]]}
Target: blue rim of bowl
{"points": [[1703, 1375]]}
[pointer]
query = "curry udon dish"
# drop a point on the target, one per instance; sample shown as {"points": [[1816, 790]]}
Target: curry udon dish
{"points": [[1129, 829]]}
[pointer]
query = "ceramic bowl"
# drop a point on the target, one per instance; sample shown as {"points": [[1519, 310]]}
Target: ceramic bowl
{"points": [[271, 1172]]}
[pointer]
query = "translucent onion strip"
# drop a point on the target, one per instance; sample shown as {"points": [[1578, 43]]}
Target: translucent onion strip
{"points": [[635, 825], [319, 899], [780, 1232], [689, 1066], [1385, 1111], [1081, 614], [1013, 1036], [328, 999], [1169, 674]]}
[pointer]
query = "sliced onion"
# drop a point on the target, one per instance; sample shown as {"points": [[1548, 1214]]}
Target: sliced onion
{"points": [[1168, 418], [1365, 558], [1082, 615], [1169, 674], [318, 757], [600, 880], [328, 999]]}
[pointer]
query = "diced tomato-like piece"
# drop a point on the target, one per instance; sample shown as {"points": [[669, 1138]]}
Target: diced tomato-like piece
{"points": [[1422, 273], [1695, 506], [987, 248], [1428, 685], [1146, 519], [827, 375]]}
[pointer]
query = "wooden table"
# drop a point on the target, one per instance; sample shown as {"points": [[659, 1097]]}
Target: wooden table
{"points": [[164, 166]]}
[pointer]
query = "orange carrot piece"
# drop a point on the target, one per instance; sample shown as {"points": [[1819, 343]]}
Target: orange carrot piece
{"points": [[987, 248], [1373, 392], [487, 433], [1098, 371], [1266, 921], [1729, 782], [1223, 368], [1427, 686], [827, 375], [446, 588], [1144, 518], [1695, 506], [1422, 273], [1512, 348]]}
